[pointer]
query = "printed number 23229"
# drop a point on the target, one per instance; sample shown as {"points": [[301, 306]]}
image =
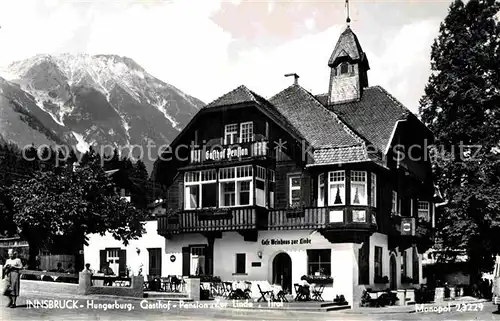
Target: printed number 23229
{"points": [[470, 307]]}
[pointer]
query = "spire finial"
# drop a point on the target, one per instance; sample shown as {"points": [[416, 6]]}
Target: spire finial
{"points": [[348, 19]]}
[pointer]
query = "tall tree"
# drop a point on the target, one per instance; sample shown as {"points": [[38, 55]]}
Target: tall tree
{"points": [[461, 106], [72, 204], [140, 171]]}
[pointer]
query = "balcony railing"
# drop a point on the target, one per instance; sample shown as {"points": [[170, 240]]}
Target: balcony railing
{"points": [[208, 220], [321, 218], [238, 151]]}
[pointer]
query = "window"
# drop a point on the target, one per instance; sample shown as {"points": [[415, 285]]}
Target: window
{"points": [[241, 263], [359, 216], [294, 190], [373, 190], [423, 210], [358, 188], [319, 262], [336, 188], [246, 130], [229, 194], [378, 262], [230, 134], [244, 190], [236, 186], [321, 190], [394, 210], [199, 189], [192, 194], [272, 187], [260, 186], [344, 68]]}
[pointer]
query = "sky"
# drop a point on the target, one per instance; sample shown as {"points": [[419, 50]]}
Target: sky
{"points": [[208, 47]]}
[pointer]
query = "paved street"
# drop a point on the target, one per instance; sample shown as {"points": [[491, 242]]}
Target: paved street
{"points": [[136, 310]]}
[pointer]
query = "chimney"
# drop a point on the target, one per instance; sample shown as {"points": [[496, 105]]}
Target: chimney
{"points": [[295, 76]]}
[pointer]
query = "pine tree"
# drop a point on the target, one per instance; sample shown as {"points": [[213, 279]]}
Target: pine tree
{"points": [[461, 106], [140, 171]]}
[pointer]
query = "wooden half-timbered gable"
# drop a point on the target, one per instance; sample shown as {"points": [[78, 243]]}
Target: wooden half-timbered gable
{"points": [[349, 166]]}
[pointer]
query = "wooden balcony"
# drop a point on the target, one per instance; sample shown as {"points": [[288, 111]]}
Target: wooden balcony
{"points": [[328, 218], [216, 220], [238, 151]]}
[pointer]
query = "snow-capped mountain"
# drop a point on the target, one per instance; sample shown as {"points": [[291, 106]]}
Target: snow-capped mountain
{"points": [[103, 100]]}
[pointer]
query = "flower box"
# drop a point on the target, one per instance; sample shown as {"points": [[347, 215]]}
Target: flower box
{"points": [[319, 280]]}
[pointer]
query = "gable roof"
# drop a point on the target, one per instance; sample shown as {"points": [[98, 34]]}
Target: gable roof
{"points": [[238, 95], [319, 126], [348, 46], [242, 96], [374, 116]]}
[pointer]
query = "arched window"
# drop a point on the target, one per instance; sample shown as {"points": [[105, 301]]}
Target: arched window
{"points": [[344, 68]]}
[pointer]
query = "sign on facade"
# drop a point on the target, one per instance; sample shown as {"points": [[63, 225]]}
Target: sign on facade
{"points": [[226, 153]]}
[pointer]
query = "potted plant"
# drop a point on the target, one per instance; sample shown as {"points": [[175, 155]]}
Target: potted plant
{"points": [[406, 279]]}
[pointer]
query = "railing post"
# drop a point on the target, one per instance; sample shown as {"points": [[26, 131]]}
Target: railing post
{"points": [[193, 288], [84, 282]]}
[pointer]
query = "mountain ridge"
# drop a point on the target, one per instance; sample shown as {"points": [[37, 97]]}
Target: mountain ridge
{"points": [[100, 100]]}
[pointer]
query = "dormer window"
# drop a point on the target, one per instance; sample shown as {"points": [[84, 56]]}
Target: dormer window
{"points": [[344, 68]]}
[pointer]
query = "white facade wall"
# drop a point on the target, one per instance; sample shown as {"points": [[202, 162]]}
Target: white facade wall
{"points": [[150, 239], [344, 257], [344, 265]]}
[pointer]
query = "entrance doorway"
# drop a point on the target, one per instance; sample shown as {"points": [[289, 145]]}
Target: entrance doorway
{"points": [[155, 262], [393, 272], [282, 271]]}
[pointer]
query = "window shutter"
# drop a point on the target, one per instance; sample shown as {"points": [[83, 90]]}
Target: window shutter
{"points": [[186, 261], [102, 259], [122, 265]]}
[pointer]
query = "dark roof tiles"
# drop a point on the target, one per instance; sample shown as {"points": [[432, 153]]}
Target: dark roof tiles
{"points": [[347, 45], [320, 127], [373, 117], [237, 96]]}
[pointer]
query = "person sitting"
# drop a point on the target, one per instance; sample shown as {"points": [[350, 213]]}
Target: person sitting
{"points": [[304, 290], [88, 269], [70, 269], [107, 272], [59, 268]]}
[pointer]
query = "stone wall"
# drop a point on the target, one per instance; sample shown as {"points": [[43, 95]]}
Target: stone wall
{"points": [[135, 290]]}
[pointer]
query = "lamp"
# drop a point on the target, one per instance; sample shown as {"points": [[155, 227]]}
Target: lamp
{"points": [[259, 254]]}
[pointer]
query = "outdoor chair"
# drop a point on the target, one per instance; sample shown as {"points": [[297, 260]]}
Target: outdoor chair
{"points": [[281, 294], [263, 295], [248, 290], [298, 294], [229, 291], [214, 290], [317, 293]]}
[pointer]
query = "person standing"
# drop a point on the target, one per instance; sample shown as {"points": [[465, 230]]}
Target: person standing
{"points": [[11, 273]]}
